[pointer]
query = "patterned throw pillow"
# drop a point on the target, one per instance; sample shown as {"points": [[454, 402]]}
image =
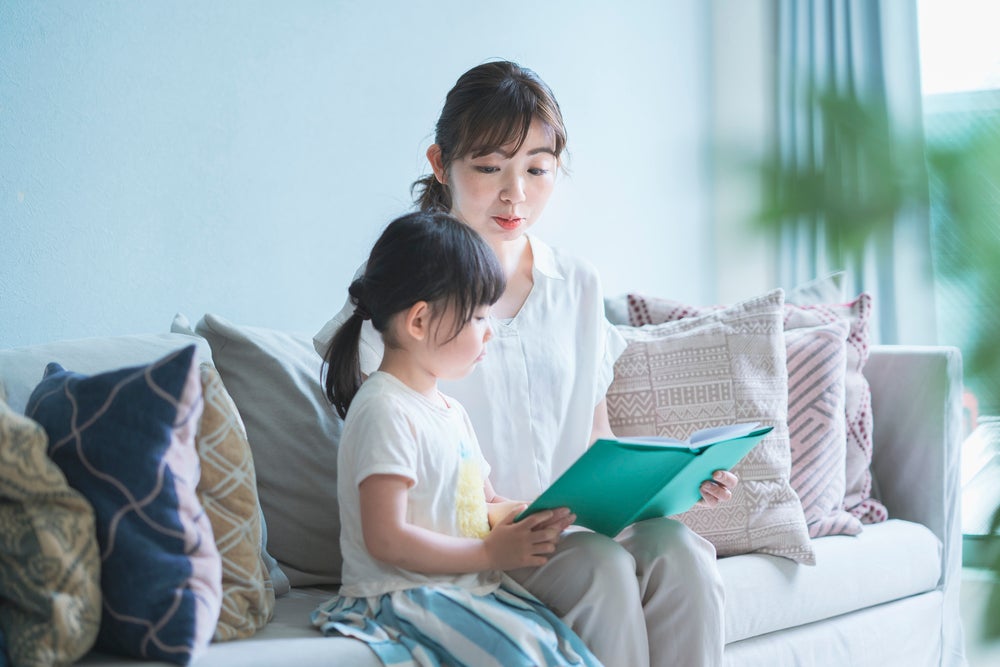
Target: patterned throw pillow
{"points": [[294, 433], [816, 372], [719, 368], [228, 492], [50, 569], [125, 440], [857, 408]]}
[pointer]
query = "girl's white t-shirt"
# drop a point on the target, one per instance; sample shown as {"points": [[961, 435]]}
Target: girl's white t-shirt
{"points": [[532, 399], [393, 430]]}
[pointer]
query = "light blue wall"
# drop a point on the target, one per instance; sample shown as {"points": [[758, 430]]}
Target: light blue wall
{"points": [[240, 157]]}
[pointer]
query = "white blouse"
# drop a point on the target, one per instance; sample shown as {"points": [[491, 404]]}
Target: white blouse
{"points": [[532, 398]]}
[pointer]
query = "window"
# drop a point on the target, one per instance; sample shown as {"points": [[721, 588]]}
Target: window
{"points": [[960, 78]]}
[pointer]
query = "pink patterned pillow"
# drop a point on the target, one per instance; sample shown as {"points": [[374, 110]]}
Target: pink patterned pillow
{"points": [[858, 407], [858, 417], [816, 374]]}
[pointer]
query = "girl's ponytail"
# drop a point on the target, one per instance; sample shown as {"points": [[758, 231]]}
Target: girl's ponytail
{"points": [[343, 375]]}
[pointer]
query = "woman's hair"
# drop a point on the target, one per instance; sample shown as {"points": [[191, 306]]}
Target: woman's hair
{"points": [[490, 106], [424, 256]]}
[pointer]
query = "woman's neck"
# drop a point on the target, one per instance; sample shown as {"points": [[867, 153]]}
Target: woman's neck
{"points": [[517, 262]]}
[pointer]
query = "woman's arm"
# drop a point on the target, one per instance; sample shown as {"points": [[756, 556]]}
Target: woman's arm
{"points": [[390, 538]]}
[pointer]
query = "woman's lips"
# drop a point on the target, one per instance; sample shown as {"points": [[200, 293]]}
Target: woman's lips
{"points": [[508, 223]]}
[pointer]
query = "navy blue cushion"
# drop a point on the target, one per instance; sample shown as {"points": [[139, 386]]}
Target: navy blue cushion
{"points": [[125, 440]]}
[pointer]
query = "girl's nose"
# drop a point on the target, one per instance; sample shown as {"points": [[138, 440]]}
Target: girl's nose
{"points": [[488, 334]]}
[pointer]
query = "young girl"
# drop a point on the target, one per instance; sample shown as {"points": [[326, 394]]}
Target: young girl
{"points": [[422, 577], [653, 595]]}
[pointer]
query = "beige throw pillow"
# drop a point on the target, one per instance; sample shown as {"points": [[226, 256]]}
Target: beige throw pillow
{"points": [[719, 368], [228, 492]]}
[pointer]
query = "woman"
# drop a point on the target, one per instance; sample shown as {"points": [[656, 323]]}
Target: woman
{"points": [[652, 595]]}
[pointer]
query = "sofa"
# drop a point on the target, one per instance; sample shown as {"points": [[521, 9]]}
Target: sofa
{"points": [[885, 596]]}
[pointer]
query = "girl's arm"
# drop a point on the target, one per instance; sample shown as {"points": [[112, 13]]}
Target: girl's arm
{"points": [[714, 491], [390, 538], [498, 508]]}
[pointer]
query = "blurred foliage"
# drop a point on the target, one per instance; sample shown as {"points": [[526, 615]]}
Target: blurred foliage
{"points": [[846, 188], [855, 184]]}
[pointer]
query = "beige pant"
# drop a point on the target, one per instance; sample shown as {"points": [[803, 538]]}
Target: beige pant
{"points": [[652, 596]]}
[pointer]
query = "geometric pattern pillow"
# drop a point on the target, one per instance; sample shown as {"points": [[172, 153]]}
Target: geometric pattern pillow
{"points": [[228, 492], [857, 408], [125, 440], [294, 433], [722, 367], [858, 405], [50, 567], [816, 373]]}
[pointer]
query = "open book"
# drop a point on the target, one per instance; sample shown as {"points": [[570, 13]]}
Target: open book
{"points": [[618, 482]]}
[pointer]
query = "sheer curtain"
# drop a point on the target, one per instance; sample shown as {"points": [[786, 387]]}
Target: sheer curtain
{"points": [[868, 52]]}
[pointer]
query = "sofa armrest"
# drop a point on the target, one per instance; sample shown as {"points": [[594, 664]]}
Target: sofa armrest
{"points": [[916, 461], [917, 433]]}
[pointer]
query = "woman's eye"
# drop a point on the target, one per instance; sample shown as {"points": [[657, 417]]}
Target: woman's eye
{"points": [[538, 171], [487, 170]]}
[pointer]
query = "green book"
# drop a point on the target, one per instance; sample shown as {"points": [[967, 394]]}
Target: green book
{"points": [[618, 482]]}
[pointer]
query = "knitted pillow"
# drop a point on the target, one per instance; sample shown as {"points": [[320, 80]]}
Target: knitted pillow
{"points": [[857, 407], [719, 368], [125, 440]]}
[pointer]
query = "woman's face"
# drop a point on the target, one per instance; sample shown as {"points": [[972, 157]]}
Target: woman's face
{"points": [[500, 195]]}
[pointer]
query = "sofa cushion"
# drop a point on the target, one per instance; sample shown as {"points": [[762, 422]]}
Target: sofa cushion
{"points": [[858, 400], [21, 368], [723, 367], [765, 594], [289, 639], [228, 492], [274, 378], [125, 440], [817, 358], [50, 569], [856, 437]]}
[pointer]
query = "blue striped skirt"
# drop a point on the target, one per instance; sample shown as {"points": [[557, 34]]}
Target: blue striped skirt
{"points": [[448, 626]]}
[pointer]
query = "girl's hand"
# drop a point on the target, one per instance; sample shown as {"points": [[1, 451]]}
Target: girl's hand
{"points": [[719, 489], [526, 543]]}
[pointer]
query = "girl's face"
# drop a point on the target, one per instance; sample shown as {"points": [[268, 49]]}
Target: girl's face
{"points": [[500, 195], [455, 358]]}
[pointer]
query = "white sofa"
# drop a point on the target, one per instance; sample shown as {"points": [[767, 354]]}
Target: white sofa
{"points": [[886, 597]]}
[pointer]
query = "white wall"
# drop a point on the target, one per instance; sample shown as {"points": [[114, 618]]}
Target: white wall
{"points": [[240, 158]]}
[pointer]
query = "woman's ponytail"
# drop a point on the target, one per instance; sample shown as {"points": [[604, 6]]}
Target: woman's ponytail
{"points": [[430, 195]]}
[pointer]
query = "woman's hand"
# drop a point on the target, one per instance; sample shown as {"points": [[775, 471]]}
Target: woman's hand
{"points": [[719, 489]]}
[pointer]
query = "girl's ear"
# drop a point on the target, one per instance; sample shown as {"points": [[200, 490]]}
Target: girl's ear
{"points": [[437, 164], [417, 321]]}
